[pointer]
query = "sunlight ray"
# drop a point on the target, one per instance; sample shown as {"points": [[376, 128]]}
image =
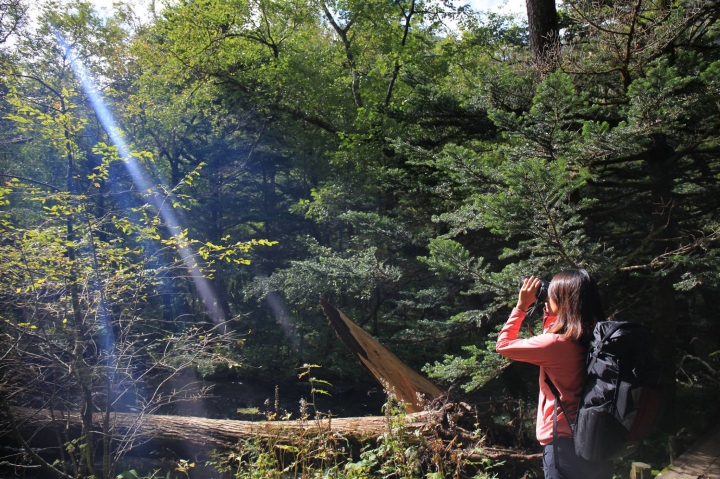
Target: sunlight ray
{"points": [[140, 179]]}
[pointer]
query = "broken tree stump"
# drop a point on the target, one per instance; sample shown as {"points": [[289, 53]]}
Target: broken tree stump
{"points": [[640, 470], [410, 387]]}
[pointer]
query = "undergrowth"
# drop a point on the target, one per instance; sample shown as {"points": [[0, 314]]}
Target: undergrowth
{"points": [[399, 452], [316, 451]]}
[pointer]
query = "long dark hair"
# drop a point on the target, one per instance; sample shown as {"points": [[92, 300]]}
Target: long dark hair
{"points": [[578, 300]]}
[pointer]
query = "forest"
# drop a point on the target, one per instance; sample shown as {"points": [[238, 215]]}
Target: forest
{"points": [[181, 184]]}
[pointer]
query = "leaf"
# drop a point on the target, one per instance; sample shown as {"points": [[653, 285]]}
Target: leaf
{"points": [[131, 474]]}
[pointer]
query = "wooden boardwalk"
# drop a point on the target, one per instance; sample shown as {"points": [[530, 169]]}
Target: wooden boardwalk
{"points": [[700, 461]]}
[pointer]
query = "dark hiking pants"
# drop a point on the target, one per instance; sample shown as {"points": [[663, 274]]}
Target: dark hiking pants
{"points": [[571, 466]]}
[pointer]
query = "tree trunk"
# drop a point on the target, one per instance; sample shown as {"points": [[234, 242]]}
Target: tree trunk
{"points": [[202, 432], [543, 30], [206, 434], [665, 327], [664, 302]]}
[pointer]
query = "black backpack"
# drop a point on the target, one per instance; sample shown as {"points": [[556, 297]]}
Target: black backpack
{"points": [[621, 397]]}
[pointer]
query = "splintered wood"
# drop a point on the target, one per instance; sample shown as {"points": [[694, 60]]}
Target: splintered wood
{"points": [[408, 386]]}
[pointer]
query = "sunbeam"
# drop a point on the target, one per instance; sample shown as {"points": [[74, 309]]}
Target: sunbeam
{"points": [[158, 201], [139, 178]]}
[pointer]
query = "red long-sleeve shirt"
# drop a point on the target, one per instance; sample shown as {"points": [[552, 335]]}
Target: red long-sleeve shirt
{"points": [[563, 360]]}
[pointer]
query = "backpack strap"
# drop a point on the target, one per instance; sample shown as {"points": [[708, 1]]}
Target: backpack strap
{"points": [[613, 329], [556, 393]]}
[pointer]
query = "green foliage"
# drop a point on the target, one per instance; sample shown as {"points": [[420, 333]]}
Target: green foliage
{"points": [[480, 367], [398, 452], [393, 456], [73, 282], [409, 173]]}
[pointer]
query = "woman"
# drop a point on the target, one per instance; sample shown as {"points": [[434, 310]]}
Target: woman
{"points": [[571, 311]]}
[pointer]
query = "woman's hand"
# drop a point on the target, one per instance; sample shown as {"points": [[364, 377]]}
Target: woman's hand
{"points": [[528, 293]]}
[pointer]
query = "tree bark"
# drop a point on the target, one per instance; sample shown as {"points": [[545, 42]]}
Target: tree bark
{"points": [[206, 434], [664, 302], [543, 30], [202, 432]]}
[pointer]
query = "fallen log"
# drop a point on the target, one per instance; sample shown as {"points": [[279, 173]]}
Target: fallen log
{"points": [[205, 434], [210, 433]]}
